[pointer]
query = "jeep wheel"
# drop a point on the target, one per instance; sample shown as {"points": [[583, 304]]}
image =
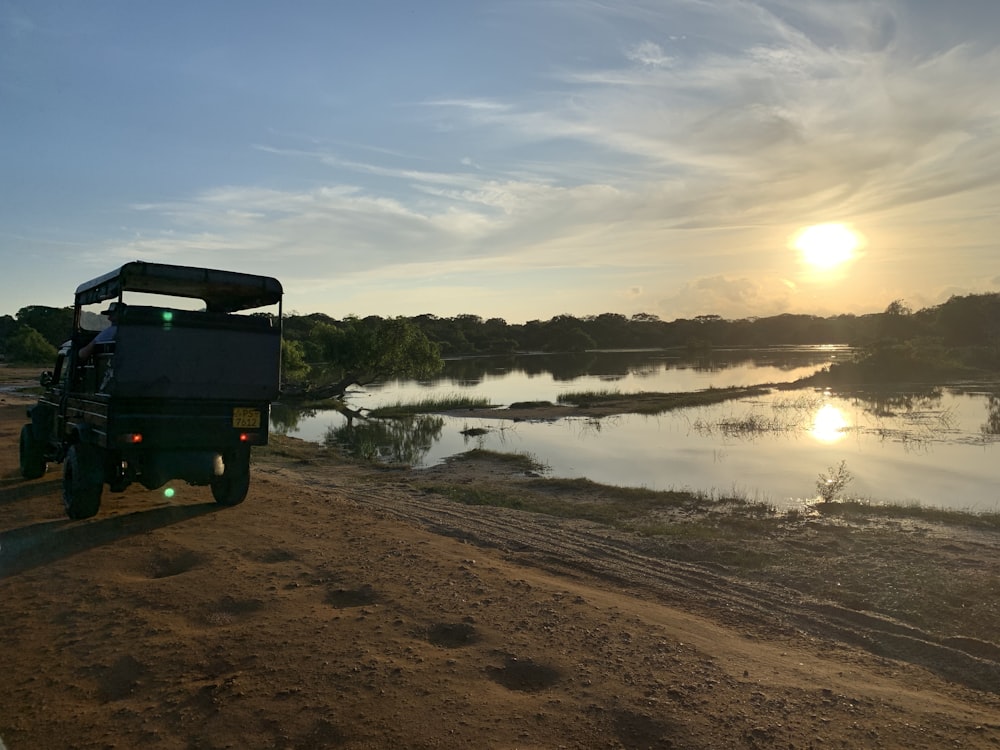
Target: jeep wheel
{"points": [[231, 488], [32, 454], [83, 481]]}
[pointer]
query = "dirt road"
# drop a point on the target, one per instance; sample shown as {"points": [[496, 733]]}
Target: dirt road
{"points": [[344, 607]]}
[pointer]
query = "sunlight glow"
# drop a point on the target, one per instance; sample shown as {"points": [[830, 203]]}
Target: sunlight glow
{"points": [[829, 425], [825, 246]]}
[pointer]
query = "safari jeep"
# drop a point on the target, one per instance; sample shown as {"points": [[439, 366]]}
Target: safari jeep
{"points": [[180, 394]]}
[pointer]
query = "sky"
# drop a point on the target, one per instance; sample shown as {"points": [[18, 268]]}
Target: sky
{"points": [[519, 159]]}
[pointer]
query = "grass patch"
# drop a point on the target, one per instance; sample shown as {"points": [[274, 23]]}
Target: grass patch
{"points": [[748, 424], [295, 449], [428, 405], [667, 513], [865, 509], [607, 514], [587, 398], [524, 461], [633, 496]]}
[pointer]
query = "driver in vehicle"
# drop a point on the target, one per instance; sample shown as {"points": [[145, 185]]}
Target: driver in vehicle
{"points": [[107, 336]]}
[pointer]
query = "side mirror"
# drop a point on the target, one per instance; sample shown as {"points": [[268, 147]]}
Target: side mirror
{"points": [[45, 379]]}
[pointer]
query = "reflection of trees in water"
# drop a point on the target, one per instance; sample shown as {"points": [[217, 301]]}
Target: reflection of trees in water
{"points": [[914, 418], [992, 424], [899, 404], [611, 366], [285, 418], [404, 440], [573, 366]]}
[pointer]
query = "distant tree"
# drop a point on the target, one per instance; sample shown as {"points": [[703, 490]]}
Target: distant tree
{"points": [[577, 340], [608, 330], [55, 324], [898, 307], [644, 317], [969, 320], [897, 321], [27, 346], [7, 327]]}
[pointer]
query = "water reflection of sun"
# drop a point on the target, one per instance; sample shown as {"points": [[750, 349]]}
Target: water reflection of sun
{"points": [[830, 424]]}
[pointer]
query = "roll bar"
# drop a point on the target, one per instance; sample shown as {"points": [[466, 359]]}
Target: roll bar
{"points": [[221, 291]]}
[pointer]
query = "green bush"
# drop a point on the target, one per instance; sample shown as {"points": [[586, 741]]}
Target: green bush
{"points": [[27, 346], [293, 360]]}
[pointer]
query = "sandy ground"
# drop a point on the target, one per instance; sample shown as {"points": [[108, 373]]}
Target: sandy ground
{"points": [[345, 607]]}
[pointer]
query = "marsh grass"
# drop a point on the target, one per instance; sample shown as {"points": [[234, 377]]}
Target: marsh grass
{"points": [[530, 405], [752, 423], [866, 509], [429, 405], [784, 415], [640, 510], [656, 403], [522, 460], [590, 397]]}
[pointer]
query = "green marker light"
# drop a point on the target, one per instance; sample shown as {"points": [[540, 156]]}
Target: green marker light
{"points": [[168, 315], [169, 492]]}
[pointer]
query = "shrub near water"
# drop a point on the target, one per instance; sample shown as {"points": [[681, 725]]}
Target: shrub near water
{"points": [[832, 483], [28, 347]]}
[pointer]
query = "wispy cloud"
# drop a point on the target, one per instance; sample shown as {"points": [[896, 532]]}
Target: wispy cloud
{"points": [[679, 143], [648, 54]]}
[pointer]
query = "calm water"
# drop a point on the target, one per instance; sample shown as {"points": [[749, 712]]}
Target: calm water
{"points": [[937, 448]]}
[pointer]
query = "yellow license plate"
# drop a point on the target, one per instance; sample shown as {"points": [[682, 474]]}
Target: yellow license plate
{"points": [[246, 417]]}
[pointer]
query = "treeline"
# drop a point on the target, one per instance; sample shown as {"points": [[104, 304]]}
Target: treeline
{"points": [[972, 320], [961, 321]]}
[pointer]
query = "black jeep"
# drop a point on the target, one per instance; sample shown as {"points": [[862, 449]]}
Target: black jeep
{"points": [[180, 394]]}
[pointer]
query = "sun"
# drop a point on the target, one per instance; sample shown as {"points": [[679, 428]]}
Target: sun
{"points": [[826, 246]]}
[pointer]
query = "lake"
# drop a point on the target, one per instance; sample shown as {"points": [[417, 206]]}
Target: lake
{"points": [[936, 448]]}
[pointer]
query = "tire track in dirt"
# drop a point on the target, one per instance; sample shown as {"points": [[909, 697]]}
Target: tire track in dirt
{"points": [[561, 546]]}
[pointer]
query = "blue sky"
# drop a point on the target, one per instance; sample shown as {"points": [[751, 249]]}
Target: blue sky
{"points": [[505, 158]]}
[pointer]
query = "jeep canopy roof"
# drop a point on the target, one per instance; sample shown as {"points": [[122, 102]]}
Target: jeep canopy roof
{"points": [[222, 291]]}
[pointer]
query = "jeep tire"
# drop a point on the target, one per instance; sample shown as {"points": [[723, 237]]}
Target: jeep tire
{"points": [[83, 481], [32, 454], [230, 488]]}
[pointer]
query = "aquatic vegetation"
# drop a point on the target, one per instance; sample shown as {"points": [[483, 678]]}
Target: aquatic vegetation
{"points": [[429, 405], [748, 424]]}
